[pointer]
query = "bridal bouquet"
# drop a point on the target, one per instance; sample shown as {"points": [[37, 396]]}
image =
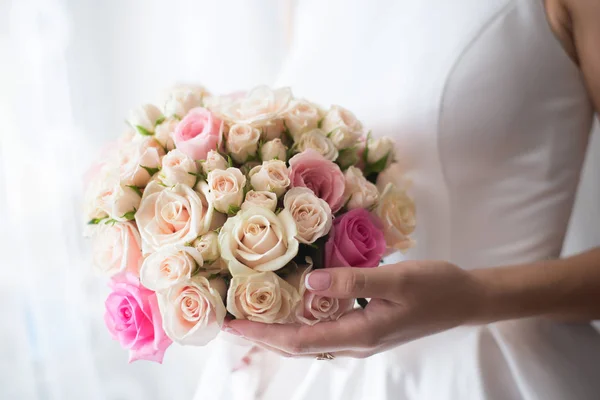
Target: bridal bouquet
{"points": [[218, 206]]}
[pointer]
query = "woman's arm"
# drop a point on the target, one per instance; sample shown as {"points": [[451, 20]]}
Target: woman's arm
{"points": [[567, 289]]}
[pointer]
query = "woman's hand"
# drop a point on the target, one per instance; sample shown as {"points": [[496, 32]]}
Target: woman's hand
{"points": [[409, 300]]}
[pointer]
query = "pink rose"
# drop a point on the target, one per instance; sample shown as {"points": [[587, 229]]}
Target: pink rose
{"points": [[310, 169], [355, 240], [133, 318], [198, 133]]}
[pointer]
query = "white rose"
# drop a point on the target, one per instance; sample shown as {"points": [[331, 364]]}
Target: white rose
{"points": [[242, 142], [208, 246], [395, 175], [120, 202], [258, 239], [193, 311], [301, 117], [116, 248], [258, 107], [312, 215], [145, 118], [173, 216], [342, 126], [272, 176], [313, 307], [359, 192], [178, 168], [164, 133], [379, 149], [183, 98], [273, 149], [168, 266], [227, 189], [317, 139], [262, 297], [102, 178], [272, 129], [398, 214], [262, 199], [138, 159], [213, 161]]}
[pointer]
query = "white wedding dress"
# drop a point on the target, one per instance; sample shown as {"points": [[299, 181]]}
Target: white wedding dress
{"points": [[492, 121]]}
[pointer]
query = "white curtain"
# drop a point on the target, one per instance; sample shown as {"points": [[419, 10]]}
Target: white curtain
{"points": [[69, 71]]}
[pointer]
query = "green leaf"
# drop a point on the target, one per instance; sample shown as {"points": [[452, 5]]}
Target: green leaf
{"points": [[151, 171], [96, 221], [378, 166], [229, 161], [233, 210], [143, 131], [320, 123], [176, 117], [212, 276], [199, 177], [110, 221], [314, 246], [135, 189], [129, 215], [160, 120], [365, 154], [278, 210]]}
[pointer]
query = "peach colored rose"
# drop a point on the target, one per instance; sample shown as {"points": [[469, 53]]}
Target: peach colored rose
{"points": [[145, 118], [271, 176], [213, 161], [359, 192], [302, 116], [182, 98], [137, 158], [198, 133], [170, 265], [262, 297], [312, 215], [398, 214], [258, 239], [227, 189], [178, 168], [262, 199], [208, 246], [164, 133], [116, 248], [380, 148], [242, 142], [119, 202], [273, 149], [317, 140], [173, 216], [342, 127], [193, 310]]}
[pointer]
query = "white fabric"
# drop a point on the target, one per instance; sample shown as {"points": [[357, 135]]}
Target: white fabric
{"points": [[492, 123]]}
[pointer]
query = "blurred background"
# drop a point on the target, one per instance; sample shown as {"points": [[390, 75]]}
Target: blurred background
{"points": [[69, 72]]}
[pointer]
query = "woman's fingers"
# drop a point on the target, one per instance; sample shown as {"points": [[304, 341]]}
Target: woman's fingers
{"points": [[348, 283], [351, 331]]}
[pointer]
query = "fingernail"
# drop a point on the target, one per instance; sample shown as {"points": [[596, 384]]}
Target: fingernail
{"points": [[229, 329], [318, 280]]}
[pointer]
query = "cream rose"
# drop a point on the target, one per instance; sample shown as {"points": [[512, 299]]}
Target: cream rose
{"points": [[317, 139], [259, 107], [173, 216], [380, 153], [208, 246], [116, 248], [342, 127], [145, 118], [273, 150], [183, 98], [398, 214], [178, 168], [227, 189], [193, 310], [164, 133], [242, 142], [262, 199], [313, 307], [312, 215], [272, 129], [301, 117], [359, 192], [213, 161], [271, 176], [258, 239], [119, 202], [262, 297], [169, 266], [138, 159]]}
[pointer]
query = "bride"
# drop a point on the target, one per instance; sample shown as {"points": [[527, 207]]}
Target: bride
{"points": [[491, 104]]}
